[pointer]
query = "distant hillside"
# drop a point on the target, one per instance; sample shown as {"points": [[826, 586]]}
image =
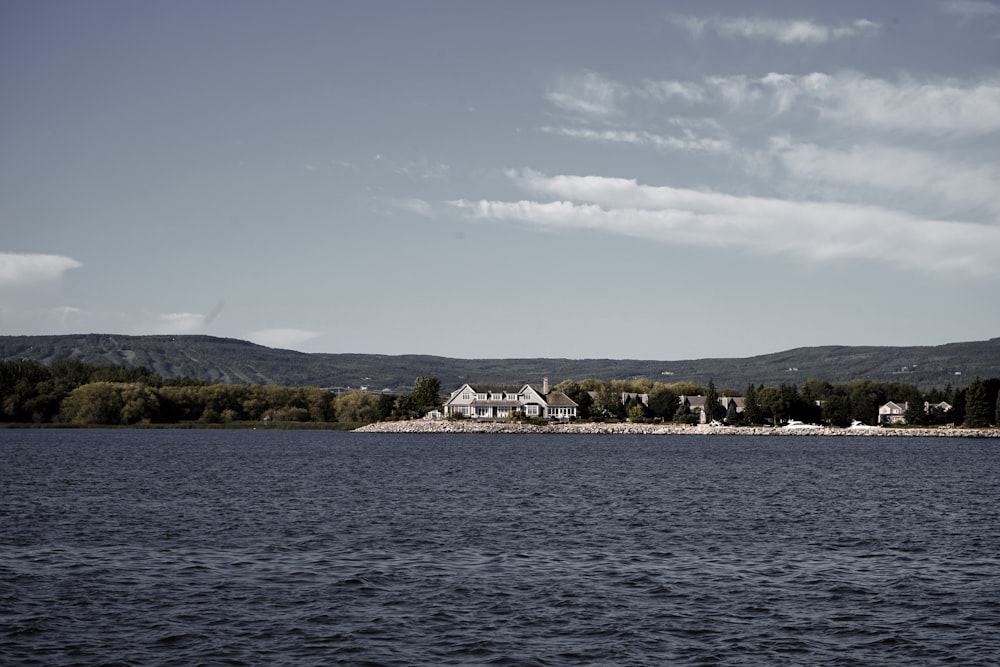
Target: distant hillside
{"points": [[228, 360]]}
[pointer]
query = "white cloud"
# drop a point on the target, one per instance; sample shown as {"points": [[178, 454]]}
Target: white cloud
{"points": [[282, 338], [920, 173], [971, 8], [810, 231], [800, 31], [929, 106], [414, 205], [587, 94], [688, 142], [22, 269]]}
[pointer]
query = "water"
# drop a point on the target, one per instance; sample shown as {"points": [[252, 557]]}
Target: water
{"points": [[319, 548]]}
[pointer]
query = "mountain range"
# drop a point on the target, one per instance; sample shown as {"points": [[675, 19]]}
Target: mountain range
{"points": [[227, 360]]}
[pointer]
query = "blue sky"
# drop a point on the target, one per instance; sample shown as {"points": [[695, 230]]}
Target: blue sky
{"points": [[664, 180]]}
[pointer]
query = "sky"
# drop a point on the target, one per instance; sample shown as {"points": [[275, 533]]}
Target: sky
{"points": [[643, 180]]}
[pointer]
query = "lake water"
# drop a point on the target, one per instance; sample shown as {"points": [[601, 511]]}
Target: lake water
{"points": [[133, 547]]}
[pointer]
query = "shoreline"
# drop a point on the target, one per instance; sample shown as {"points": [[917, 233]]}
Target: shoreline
{"points": [[628, 428]]}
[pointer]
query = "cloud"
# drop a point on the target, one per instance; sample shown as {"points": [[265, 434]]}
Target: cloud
{"points": [[23, 269], [587, 94], [282, 338], [906, 170], [971, 8], [800, 31], [927, 106], [688, 142], [808, 231]]}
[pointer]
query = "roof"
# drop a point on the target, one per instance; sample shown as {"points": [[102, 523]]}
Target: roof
{"points": [[496, 388], [557, 399]]}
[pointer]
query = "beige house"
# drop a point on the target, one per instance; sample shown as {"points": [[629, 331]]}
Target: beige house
{"points": [[498, 401], [892, 413]]}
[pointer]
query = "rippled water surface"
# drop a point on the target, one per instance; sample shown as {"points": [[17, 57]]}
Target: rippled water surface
{"points": [[316, 548]]}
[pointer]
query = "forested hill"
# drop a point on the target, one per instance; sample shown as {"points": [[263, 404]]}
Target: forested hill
{"points": [[229, 360]]}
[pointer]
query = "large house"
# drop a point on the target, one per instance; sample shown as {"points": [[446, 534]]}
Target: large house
{"points": [[498, 401]]}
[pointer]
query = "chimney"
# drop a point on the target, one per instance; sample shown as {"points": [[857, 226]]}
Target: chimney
{"points": [[545, 386]]}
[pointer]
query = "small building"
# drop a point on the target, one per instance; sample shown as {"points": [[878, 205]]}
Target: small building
{"points": [[892, 413], [498, 401]]}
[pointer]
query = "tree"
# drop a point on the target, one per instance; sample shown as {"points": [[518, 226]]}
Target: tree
{"points": [[977, 407], [94, 403], [636, 412], [713, 410], [816, 390], [772, 402], [425, 394], [579, 395], [608, 402], [752, 414], [915, 413], [866, 397], [357, 406], [732, 414], [663, 402], [140, 403], [837, 410], [20, 382]]}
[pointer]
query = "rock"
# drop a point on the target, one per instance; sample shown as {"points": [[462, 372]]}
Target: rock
{"points": [[469, 426]]}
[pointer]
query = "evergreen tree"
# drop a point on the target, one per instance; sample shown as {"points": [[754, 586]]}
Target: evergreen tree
{"points": [[712, 407], [977, 407], [425, 394], [915, 412], [751, 408], [732, 415]]}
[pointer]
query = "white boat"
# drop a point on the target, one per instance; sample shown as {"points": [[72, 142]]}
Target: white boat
{"points": [[857, 425], [795, 424]]}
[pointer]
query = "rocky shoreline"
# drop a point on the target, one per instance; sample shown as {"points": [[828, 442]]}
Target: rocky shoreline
{"points": [[592, 428]]}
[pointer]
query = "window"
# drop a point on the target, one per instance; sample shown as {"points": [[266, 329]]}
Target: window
{"points": [[466, 396]]}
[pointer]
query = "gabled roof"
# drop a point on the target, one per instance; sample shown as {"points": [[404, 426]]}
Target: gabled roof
{"points": [[557, 399], [496, 388], [693, 401]]}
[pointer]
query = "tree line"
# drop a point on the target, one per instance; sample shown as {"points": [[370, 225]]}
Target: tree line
{"points": [[817, 401], [77, 393]]}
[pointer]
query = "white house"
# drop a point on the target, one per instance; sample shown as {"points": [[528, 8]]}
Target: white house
{"points": [[497, 401], [892, 413]]}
